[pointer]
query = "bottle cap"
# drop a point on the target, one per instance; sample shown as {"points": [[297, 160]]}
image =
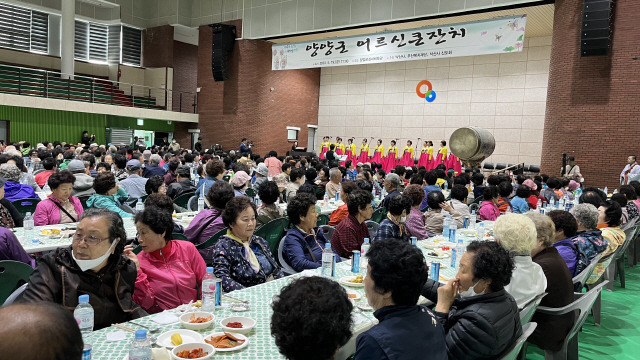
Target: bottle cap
{"points": [[366, 240], [139, 200], [28, 214], [327, 245], [210, 269], [83, 299], [141, 334]]}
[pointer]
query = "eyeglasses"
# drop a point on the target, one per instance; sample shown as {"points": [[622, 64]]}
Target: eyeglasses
{"points": [[90, 240]]}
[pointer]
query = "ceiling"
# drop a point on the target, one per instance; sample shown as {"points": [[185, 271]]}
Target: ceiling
{"points": [[539, 23]]}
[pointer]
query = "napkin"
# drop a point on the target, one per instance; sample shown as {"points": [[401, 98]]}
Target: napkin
{"points": [[165, 318], [116, 336], [160, 354]]}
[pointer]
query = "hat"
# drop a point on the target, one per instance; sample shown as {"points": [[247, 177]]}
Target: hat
{"points": [[243, 160], [262, 170], [240, 178], [529, 183], [359, 164], [184, 171], [75, 166], [133, 165], [573, 185], [2, 181], [146, 154], [93, 145]]}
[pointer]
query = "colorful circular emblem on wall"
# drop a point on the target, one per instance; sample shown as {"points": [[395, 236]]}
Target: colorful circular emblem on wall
{"points": [[430, 95]]}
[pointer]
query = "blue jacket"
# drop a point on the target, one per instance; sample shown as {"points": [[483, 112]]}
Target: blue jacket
{"points": [[389, 230], [296, 253], [520, 205], [15, 191], [404, 333], [153, 170]]}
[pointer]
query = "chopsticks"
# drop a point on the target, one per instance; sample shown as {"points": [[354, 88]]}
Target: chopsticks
{"points": [[125, 328], [227, 297]]}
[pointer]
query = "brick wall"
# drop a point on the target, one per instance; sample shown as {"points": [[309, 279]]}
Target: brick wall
{"points": [[158, 47], [592, 102], [185, 74], [245, 106]]}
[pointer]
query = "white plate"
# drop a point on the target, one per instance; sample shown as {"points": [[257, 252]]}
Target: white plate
{"points": [[364, 306], [345, 281], [357, 295], [239, 336], [444, 256], [188, 337]]}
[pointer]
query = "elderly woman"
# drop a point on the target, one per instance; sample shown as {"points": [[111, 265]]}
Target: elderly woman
{"points": [[480, 318], [269, 194], [438, 208], [393, 227], [208, 222], [169, 271], [323, 176], [215, 171], [415, 221], [517, 234], [566, 228], [350, 233], [630, 194], [406, 330], [242, 259], [304, 242], [155, 184], [13, 190], [588, 238], [296, 179], [552, 329], [60, 207], [488, 209], [609, 215], [92, 265], [9, 215], [342, 211], [108, 195]]}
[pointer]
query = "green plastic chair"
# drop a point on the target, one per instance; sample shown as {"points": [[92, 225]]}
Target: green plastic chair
{"points": [[183, 200], [13, 274], [83, 201], [178, 236], [323, 220], [212, 240], [26, 205], [379, 215], [272, 232]]}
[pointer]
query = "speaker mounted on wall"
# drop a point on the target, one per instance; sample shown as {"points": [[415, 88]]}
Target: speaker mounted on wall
{"points": [[223, 41], [597, 20]]}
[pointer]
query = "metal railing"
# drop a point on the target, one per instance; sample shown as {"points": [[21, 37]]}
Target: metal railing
{"points": [[57, 85]]}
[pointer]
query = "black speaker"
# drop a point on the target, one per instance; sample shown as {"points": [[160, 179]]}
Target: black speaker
{"points": [[223, 41], [595, 37]]}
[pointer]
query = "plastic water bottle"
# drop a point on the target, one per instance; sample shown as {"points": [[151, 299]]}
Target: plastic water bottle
{"points": [[454, 257], [328, 261], [446, 185], [445, 226], [140, 348], [338, 195], [28, 222], [472, 220], [452, 231], [363, 260], [561, 203], [200, 203], [460, 248], [325, 200], [539, 206], [46, 189], [508, 211], [208, 291], [139, 206], [552, 202], [84, 317], [480, 230]]}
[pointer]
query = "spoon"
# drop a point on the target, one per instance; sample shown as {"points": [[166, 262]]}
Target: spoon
{"points": [[150, 329]]}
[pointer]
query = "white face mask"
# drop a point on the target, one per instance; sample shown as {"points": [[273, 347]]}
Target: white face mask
{"points": [[403, 219], [470, 292], [90, 264]]}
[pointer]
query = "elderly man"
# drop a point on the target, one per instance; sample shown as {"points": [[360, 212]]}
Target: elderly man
{"points": [[83, 186], [391, 184], [335, 178], [153, 168], [183, 184], [134, 183], [631, 172]]}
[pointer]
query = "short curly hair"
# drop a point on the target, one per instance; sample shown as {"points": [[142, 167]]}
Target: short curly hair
{"points": [[268, 192], [161, 201], [586, 215], [62, 177], [358, 200], [296, 174], [629, 192], [153, 184], [399, 203], [545, 229], [234, 207], [415, 192], [104, 182], [214, 168], [563, 220], [613, 213], [516, 233], [459, 192], [300, 325], [299, 206], [398, 267], [491, 261], [157, 219], [219, 194]]}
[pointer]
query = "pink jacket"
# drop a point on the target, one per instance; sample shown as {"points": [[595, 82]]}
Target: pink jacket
{"points": [[274, 165], [168, 277], [47, 213], [488, 211]]}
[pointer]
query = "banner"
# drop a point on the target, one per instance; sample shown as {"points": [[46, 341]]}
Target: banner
{"points": [[494, 36]]}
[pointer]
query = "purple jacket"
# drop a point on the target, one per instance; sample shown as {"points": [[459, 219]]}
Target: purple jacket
{"points": [[15, 191], [10, 248], [47, 213], [197, 226], [567, 252]]}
